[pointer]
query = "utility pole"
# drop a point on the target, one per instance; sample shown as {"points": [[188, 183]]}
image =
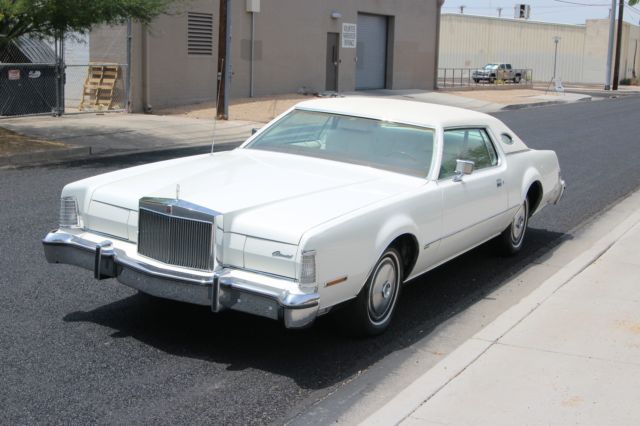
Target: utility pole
{"points": [[499, 12], [612, 23], [462, 10], [616, 69], [224, 60]]}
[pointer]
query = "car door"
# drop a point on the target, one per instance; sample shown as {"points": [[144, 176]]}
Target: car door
{"points": [[474, 206]]}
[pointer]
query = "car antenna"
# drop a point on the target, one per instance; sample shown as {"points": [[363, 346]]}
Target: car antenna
{"points": [[215, 117]]}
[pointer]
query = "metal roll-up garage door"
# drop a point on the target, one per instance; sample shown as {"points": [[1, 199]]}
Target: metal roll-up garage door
{"points": [[371, 51]]}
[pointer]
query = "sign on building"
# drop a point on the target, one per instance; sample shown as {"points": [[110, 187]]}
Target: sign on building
{"points": [[349, 35]]}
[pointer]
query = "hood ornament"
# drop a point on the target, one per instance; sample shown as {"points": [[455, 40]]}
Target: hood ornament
{"points": [[177, 192]]}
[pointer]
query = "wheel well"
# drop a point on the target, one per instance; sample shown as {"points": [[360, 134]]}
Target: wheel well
{"points": [[534, 194], [408, 247]]}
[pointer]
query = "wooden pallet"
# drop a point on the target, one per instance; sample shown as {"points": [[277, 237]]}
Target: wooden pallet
{"points": [[99, 87]]}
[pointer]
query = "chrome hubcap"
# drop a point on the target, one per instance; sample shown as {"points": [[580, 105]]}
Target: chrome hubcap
{"points": [[518, 225], [386, 290], [383, 289]]}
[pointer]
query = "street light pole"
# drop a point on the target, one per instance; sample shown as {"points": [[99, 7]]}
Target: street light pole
{"points": [[556, 40]]}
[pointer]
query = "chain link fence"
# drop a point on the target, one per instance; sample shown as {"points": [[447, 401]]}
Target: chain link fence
{"points": [[451, 78], [80, 75], [29, 89]]}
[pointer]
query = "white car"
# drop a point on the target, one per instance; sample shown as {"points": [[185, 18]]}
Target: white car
{"points": [[336, 200]]}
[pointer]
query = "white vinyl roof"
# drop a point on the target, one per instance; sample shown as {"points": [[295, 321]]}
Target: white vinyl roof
{"points": [[400, 111]]}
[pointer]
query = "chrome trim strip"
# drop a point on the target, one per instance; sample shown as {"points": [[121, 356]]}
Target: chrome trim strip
{"points": [[517, 152], [435, 265], [192, 211], [470, 226], [122, 259], [255, 271], [104, 234], [161, 213]]}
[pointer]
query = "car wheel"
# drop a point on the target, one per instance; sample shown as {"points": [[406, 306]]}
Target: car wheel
{"points": [[512, 238], [373, 309], [492, 80], [517, 79], [475, 80]]}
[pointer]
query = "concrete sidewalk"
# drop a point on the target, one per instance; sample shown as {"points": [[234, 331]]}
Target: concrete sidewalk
{"points": [[569, 353], [487, 101], [122, 133]]}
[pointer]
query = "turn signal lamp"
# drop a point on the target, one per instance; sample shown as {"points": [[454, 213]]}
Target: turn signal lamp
{"points": [[308, 272], [69, 215]]}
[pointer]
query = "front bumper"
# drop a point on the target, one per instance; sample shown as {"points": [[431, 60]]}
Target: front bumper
{"points": [[226, 288]]}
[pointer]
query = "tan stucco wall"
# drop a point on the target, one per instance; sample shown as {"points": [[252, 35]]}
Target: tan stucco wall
{"points": [[291, 44], [472, 41], [290, 52]]}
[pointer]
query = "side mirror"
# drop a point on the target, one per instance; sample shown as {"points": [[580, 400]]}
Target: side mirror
{"points": [[254, 131], [463, 167]]}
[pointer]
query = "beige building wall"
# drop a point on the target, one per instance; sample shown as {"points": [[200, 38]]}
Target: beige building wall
{"points": [[291, 37], [290, 49], [472, 41]]}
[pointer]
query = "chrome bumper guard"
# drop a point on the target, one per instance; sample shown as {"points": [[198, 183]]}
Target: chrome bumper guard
{"points": [[226, 288]]}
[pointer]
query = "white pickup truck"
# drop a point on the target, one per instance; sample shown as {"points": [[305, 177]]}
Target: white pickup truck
{"points": [[493, 72]]}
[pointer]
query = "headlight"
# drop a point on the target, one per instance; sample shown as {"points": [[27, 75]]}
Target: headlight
{"points": [[69, 214], [308, 271]]}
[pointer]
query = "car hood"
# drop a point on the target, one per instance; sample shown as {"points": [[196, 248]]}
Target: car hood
{"points": [[265, 194]]}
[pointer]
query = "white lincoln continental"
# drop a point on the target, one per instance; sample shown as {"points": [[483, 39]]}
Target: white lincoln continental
{"points": [[336, 201]]}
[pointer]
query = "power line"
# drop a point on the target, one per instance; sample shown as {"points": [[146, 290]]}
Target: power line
{"points": [[582, 4]]}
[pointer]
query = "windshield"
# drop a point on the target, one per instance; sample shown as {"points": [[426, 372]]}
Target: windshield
{"points": [[490, 66], [390, 146]]}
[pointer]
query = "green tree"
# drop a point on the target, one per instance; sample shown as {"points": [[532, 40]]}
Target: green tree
{"points": [[50, 18]]}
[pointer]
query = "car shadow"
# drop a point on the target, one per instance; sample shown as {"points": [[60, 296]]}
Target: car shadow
{"points": [[320, 356]]}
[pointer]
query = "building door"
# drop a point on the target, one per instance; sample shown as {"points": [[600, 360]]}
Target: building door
{"points": [[333, 60], [371, 52]]}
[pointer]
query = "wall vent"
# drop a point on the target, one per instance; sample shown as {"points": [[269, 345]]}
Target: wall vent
{"points": [[199, 33]]}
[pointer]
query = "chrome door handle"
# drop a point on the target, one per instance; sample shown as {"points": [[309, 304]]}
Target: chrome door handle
{"points": [[499, 182]]}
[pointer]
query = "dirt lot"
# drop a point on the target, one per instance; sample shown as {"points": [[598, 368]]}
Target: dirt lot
{"points": [[15, 143], [250, 109]]}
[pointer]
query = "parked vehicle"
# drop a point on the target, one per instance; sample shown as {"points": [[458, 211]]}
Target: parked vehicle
{"points": [[493, 72], [337, 201]]}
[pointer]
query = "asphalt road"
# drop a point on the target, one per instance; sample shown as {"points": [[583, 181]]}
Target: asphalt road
{"points": [[73, 350]]}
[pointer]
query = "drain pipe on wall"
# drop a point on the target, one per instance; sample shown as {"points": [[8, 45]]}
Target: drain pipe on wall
{"points": [[146, 106], [253, 31], [127, 82]]}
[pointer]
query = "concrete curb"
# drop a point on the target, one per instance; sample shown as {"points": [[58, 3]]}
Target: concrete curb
{"points": [[37, 157], [435, 379], [514, 107], [86, 154]]}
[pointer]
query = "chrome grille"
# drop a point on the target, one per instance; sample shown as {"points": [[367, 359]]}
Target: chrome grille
{"points": [[175, 240]]}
